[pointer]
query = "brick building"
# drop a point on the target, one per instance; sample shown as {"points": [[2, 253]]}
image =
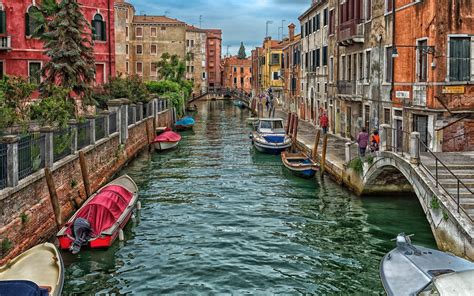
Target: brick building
{"points": [[291, 70], [22, 55], [214, 51], [237, 73], [196, 66], [256, 57]]}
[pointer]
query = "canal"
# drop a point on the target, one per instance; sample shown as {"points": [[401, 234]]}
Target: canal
{"points": [[218, 217]]}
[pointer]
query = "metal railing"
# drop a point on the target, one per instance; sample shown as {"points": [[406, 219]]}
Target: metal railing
{"points": [[145, 110], [99, 128], [398, 141], [112, 123], [31, 154], [459, 183], [83, 135], [137, 114], [130, 116], [62, 142], [3, 165]]}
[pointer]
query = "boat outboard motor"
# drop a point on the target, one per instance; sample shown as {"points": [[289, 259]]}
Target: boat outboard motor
{"points": [[404, 243], [82, 233]]}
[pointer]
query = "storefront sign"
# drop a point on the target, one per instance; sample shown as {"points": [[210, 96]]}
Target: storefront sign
{"points": [[456, 89], [402, 94]]}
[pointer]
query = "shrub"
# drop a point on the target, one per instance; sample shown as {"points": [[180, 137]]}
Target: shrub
{"points": [[55, 109], [163, 86], [132, 88], [357, 165], [15, 93]]}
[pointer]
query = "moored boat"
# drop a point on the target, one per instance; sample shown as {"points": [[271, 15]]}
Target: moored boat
{"points": [[186, 123], [412, 270], [270, 136], [167, 140], [38, 271], [239, 103], [102, 217], [299, 164]]}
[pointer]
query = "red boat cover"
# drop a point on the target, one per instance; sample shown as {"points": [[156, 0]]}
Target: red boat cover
{"points": [[104, 209], [168, 137]]}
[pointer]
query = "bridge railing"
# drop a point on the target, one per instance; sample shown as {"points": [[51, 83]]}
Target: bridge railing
{"points": [[459, 183]]}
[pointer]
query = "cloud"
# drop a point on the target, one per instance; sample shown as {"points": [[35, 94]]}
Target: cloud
{"points": [[240, 20]]}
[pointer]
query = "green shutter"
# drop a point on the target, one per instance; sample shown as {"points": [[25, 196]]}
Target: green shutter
{"points": [[103, 31], [27, 25], [93, 30], [3, 23], [465, 61]]}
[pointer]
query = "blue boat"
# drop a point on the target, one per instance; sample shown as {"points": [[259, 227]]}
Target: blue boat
{"points": [[270, 136], [186, 123], [239, 104], [299, 164]]}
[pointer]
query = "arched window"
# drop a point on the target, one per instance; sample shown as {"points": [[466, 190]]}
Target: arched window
{"points": [[98, 28], [31, 24], [3, 20]]}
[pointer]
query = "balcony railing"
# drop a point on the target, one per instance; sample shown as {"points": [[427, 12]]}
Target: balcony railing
{"points": [[346, 87], [351, 32], [5, 43]]}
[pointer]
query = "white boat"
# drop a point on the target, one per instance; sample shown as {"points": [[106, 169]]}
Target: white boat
{"points": [[270, 136], [412, 270], [167, 140], [38, 271]]}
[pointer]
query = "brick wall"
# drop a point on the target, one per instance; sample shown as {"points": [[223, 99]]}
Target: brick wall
{"points": [[459, 136], [31, 197]]}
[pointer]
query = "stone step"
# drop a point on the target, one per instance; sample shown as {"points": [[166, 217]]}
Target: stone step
{"points": [[452, 167], [453, 183], [463, 193], [467, 206], [464, 176]]}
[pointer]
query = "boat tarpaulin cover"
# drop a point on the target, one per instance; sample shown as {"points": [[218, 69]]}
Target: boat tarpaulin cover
{"points": [[168, 137], [186, 121], [104, 209], [274, 139], [24, 288]]}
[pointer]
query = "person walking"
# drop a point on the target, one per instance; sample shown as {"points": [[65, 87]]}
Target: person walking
{"points": [[324, 122], [363, 140], [375, 141]]}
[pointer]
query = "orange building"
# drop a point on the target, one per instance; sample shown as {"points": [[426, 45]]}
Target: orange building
{"points": [[433, 70], [214, 49], [237, 73]]}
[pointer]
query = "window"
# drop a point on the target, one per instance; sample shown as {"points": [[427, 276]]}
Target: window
{"points": [[325, 17], [192, 69], [318, 57], [235, 69], [235, 80], [139, 67], [275, 59], [3, 22], [163, 28], [126, 32], [34, 70], [241, 81], [361, 66], [127, 68], [98, 28], [276, 75], [318, 21], [388, 6], [349, 67], [325, 55], [459, 58], [368, 10], [2, 69], [332, 26], [126, 49], [388, 64], [386, 118], [139, 49], [192, 43], [153, 49], [331, 69], [31, 25], [203, 75], [311, 26], [367, 66], [153, 32], [241, 70], [343, 67], [153, 69], [139, 32], [302, 31], [422, 63], [187, 43]]}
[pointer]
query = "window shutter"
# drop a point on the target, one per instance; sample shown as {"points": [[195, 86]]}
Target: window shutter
{"points": [[103, 31], [3, 25], [93, 30], [27, 25], [466, 59]]}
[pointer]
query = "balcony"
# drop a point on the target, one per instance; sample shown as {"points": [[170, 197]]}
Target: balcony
{"points": [[346, 87], [351, 32], [5, 43]]}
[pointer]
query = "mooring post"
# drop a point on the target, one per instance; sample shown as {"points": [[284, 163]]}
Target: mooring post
{"points": [[348, 153], [290, 125], [53, 197], [323, 156], [85, 173], [316, 144], [287, 129], [415, 148]]}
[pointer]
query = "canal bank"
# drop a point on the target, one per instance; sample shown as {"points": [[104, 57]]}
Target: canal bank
{"points": [[218, 217]]}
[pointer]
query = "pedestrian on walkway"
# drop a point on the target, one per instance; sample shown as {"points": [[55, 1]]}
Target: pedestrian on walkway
{"points": [[363, 140], [375, 141], [324, 122]]}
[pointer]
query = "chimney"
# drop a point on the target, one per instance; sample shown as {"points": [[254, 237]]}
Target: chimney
{"points": [[291, 31]]}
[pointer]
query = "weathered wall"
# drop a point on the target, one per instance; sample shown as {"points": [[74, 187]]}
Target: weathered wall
{"points": [[31, 196]]}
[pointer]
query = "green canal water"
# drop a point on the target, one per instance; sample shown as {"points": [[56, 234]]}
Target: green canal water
{"points": [[219, 218]]}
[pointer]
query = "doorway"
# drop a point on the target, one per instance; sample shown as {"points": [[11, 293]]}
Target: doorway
{"points": [[420, 124], [349, 122], [399, 135]]}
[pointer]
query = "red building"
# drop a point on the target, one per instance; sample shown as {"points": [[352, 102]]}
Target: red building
{"points": [[214, 47], [237, 73], [22, 55]]}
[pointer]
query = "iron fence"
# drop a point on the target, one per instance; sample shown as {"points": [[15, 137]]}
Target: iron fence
{"points": [[112, 123], [137, 114], [99, 128], [31, 154], [83, 135], [3, 165], [130, 115], [145, 110], [62, 142]]}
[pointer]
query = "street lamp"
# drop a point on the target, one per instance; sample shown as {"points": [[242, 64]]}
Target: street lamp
{"points": [[424, 49]]}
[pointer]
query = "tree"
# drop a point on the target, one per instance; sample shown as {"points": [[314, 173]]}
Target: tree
{"points": [[68, 43], [171, 67], [242, 54]]}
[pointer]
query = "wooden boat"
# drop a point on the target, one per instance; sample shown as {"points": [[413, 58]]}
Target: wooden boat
{"points": [[299, 164], [270, 136], [38, 271], [412, 270], [192, 109], [252, 121], [186, 123], [102, 217], [167, 140], [239, 104]]}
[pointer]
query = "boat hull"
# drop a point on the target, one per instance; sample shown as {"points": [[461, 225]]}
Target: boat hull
{"points": [[162, 146], [270, 148], [299, 164], [184, 127], [107, 237]]}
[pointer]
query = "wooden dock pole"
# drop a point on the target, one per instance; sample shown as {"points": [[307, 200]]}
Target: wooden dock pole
{"points": [[54, 197], [316, 144], [288, 123], [323, 156], [85, 174], [294, 133]]}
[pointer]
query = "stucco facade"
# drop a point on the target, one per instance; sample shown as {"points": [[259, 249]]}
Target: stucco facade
{"points": [[214, 51], [291, 70], [196, 66], [237, 74]]}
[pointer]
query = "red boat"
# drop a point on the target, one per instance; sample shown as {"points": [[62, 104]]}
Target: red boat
{"points": [[167, 140], [98, 222]]}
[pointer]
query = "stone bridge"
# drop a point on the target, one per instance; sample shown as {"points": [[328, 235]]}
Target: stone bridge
{"points": [[213, 94]]}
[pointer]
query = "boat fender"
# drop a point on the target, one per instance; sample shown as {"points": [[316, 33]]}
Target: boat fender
{"points": [[121, 235], [139, 205]]}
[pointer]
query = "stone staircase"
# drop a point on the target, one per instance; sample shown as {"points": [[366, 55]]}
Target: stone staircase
{"points": [[461, 165]]}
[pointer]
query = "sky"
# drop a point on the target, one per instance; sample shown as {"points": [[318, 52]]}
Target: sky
{"points": [[240, 20]]}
